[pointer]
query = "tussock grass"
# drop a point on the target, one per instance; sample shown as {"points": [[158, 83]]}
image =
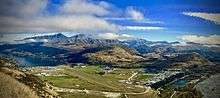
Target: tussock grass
{"points": [[11, 88]]}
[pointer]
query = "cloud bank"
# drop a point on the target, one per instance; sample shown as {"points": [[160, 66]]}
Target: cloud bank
{"points": [[211, 40], [214, 17], [85, 7], [115, 36], [73, 16]]}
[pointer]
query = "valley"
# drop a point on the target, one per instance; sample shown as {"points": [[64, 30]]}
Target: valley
{"points": [[109, 48], [91, 79], [80, 66]]}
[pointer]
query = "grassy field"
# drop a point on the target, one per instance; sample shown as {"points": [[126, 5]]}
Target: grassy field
{"points": [[67, 82], [144, 77], [120, 74], [89, 77], [80, 95]]}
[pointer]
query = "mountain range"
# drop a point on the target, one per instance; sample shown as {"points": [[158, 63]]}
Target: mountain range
{"points": [[84, 48], [141, 45]]}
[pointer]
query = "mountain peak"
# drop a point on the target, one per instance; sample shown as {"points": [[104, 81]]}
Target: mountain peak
{"points": [[80, 36], [59, 35]]}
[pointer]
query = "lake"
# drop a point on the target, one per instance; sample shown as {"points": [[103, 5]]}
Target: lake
{"points": [[30, 61]]}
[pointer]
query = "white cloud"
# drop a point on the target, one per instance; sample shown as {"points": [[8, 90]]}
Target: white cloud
{"points": [[85, 7], [57, 24], [106, 5], [34, 7], [212, 39], [214, 17], [126, 35], [142, 28], [151, 22], [115, 36], [22, 8], [108, 36], [117, 18], [76, 16], [131, 19], [134, 14]]}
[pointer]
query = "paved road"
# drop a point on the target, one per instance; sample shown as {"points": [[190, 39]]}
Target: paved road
{"points": [[173, 94], [147, 89], [132, 76]]}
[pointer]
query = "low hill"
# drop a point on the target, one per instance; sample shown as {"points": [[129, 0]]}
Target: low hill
{"points": [[189, 59], [115, 55]]}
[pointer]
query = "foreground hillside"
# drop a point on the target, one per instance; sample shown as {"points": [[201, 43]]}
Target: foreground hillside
{"points": [[18, 84], [11, 88]]}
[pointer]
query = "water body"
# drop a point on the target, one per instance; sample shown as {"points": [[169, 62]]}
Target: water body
{"points": [[42, 55], [180, 83], [29, 61]]}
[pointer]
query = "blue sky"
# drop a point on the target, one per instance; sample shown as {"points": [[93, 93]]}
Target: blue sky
{"points": [[156, 20], [170, 12]]}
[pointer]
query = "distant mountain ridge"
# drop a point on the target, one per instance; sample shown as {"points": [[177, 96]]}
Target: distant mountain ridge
{"points": [[86, 39], [47, 38], [82, 39], [142, 46]]}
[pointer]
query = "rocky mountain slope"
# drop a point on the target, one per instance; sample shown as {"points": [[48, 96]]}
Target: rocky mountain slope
{"points": [[57, 38], [80, 39], [210, 87]]}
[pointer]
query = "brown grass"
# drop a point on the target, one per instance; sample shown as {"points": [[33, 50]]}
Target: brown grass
{"points": [[11, 88]]}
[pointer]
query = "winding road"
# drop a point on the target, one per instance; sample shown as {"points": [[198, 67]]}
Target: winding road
{"points": [[109, 94]]}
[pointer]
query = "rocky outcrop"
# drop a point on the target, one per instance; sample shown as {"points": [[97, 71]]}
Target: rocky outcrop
{"points": [[210, 87]]}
